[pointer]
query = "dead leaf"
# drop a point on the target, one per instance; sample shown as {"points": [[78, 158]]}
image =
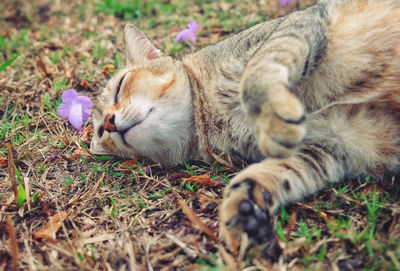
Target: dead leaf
{"points": [[3, 162], [128, 165], [372, 187], [42, 67], [107, 69], [48, 232], [5, 33], [203, 179], [191, 215], [80, 152], [87, 133], [86, 84], [176, 177], [52, 22]]}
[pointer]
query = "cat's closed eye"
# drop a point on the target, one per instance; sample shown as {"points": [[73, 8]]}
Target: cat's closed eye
{"points": [[100, 131], [119, 88]]}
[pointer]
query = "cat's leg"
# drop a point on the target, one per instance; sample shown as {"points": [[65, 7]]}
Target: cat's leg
{"points": [[343, 140], [290, 54]]}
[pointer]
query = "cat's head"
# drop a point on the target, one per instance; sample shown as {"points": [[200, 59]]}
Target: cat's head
{"points": [[145, 110]]}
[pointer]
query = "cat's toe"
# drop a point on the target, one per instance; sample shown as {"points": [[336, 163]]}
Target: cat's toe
{"points": [[286, 105], [256, 222], [280, 125], [276, 138], [244, 211]]}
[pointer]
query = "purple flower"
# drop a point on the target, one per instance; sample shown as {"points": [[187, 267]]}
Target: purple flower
{"points": [[75, 108], [188, 34], [284, 2], [54, 157]]}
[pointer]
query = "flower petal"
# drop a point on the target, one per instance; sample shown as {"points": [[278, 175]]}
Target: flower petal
{"points": [[63, 110], [69, 95], [85, 115], [183, 35], [192, 37], [193, 26], [84, 101], [284, 2], [75, 116]]}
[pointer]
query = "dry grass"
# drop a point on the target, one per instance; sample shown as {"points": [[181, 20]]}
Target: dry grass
{"points": [[85, 212]]}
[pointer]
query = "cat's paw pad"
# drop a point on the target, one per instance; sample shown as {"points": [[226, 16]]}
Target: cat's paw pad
{"points": [[244, 211], [280, 125], [255, 221]]}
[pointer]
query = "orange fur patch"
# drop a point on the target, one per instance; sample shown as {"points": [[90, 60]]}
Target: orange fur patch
{"points": [[164, 88]]}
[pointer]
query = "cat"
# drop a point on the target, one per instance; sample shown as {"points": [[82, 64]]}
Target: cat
{"points": [[310, 99]]}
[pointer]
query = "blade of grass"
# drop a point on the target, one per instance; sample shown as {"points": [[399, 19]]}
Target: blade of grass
{"points": [[4, 65]]}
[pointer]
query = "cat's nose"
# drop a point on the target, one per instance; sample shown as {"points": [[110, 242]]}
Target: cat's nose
{"points": [[109, 124]]}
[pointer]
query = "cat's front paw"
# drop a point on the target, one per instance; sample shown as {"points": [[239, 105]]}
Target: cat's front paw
{"points": [[279, 126], [246, 210]]}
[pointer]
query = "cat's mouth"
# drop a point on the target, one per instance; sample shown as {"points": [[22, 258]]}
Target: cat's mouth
{"points": [[123, 132]]}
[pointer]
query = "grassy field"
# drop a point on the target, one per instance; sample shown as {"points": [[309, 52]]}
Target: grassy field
{"points": [[69, 210]]}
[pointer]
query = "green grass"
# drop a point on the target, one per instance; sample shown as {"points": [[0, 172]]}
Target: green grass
{"points": [[7, 63]]}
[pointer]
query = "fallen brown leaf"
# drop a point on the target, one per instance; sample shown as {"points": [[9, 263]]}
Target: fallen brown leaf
{"points": [[52, 22], [107, 69], [80, 151], [372, 187], [86, 84], [42, 67], [3, 162], [203, 179], [127, 165], [87, 133], [48, 232]]}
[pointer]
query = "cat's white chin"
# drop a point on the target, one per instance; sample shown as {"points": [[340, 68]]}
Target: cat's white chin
{"points": [[167, 148]]}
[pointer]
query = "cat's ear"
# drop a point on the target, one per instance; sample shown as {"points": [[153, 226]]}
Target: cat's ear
{"points": [[139, 49]]}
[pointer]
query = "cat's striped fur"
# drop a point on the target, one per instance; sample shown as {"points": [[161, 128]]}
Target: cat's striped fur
{"points": [[312, 98]]}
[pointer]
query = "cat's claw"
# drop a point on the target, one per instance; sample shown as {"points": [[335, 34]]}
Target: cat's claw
{"points": [[280, 125], [244, 211]]}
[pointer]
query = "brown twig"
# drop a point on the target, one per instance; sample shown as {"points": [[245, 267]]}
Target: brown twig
{"points": [[291, 224], [11, 171], [13, 244], [196, 221]]}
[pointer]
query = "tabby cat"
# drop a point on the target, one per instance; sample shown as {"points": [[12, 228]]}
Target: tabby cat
{"points": [[309, 99]]}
